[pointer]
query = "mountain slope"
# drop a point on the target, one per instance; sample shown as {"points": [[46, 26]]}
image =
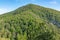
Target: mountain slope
{"points": [[45, 13], [30, 22]]}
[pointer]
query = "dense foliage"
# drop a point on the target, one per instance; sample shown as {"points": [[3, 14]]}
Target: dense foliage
{"points": [[30, 22]]}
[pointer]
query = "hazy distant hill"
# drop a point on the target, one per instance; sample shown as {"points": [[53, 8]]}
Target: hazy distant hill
{"points": [[30, 22]]}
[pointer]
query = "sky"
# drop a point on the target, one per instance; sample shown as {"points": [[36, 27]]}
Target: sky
{"points": [[10, 5]]}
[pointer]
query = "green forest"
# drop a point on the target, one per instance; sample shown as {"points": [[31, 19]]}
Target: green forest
{"points": [[30, 22]]}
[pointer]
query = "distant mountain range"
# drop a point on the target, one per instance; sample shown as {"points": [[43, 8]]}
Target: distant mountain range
{"points": [[30, 22]]}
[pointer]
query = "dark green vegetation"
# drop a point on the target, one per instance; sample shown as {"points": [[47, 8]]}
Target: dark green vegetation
{"points": [[30, 22]]}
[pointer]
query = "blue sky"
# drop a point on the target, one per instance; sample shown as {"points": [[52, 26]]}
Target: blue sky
{"points": [[9, 5]]}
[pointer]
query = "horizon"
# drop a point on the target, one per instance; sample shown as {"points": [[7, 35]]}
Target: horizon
{"points": [[10, 5]]}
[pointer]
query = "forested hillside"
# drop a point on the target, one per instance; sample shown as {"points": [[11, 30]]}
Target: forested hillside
{"points": [[30, 22]]}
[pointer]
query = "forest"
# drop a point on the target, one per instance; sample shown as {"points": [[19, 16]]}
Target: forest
{"points": [[30, 22]]}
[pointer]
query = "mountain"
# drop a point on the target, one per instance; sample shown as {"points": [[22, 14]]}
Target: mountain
{"points": [[30, 22]]}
